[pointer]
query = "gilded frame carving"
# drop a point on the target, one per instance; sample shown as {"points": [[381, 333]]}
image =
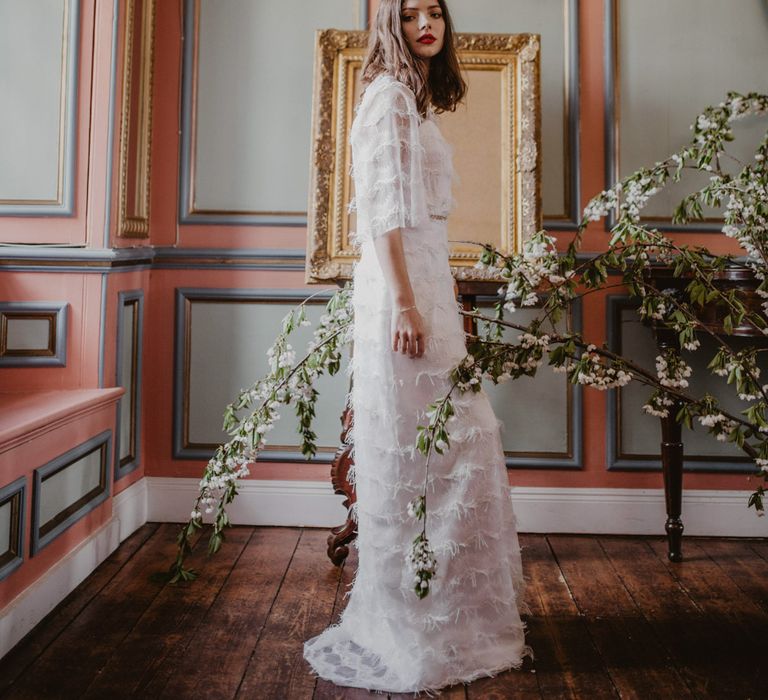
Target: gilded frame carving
{"points": [[136, 120], [514, 58]]}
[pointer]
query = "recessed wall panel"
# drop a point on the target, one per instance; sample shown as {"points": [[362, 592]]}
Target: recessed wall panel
{"points": [[5, 528], [639, 434], [673, 59], [28, 334], [68, 487], [253, 92], [228, 344], [33, 56], [128, 367], [535, 410], [33, 334], [12, 521], [127, 378], [64, 488]]}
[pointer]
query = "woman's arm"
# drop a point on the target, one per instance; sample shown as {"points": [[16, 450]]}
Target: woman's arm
{"points": [[407, 324]]}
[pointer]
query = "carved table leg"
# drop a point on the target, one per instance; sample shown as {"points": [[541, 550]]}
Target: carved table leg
{"points": [[343, 534], [672, 465]]}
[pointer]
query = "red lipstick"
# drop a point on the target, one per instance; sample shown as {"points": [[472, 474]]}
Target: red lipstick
{"points": [[426, 39]]}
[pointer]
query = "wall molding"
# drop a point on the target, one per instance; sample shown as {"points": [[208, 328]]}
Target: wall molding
{"points": [[612, 125], [38, 599], [31, 605], [14, 494], [19, 258], [56, 314], [86, 503], [70, 75], [186, 211], [572, 104], [135, 297], [130, 507], [616, 459], [185, 297], [574, 458], [538, 509]]}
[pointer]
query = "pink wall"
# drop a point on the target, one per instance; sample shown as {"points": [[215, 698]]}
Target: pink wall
{"points": [[81, 415], [52, 280], [83, 294], [164, 283], [82, 291]]}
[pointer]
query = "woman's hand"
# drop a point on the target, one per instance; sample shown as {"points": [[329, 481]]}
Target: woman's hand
{"points": [[408, 335], [456, 289]]}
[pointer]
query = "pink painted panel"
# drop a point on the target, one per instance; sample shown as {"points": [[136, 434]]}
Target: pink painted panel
{"points": [[22, 461], [66, 229], [116, 283], [159, 371], [83, 294]]}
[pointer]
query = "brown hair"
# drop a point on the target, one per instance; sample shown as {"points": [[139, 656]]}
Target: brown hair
{"points": [[388, 52]]}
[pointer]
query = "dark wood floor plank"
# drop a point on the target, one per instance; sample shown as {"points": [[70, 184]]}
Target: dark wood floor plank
{"points": [[520, 684], [567, 663], [170, 621], [631, 651], [228, 633], [734, 618], [704, 658], [760, 547], [70, 663], [748, 570], [15, 662], [509, 685], [302, 609], [609, 615]]}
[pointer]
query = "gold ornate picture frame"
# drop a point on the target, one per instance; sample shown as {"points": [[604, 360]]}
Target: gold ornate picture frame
{"points": [[495, 136], [136, 120]]}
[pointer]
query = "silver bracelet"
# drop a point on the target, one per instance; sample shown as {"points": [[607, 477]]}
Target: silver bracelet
{"points": [[407, 308]]}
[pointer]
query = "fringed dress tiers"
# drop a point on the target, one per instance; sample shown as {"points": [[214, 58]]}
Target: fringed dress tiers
{"points": [[387, 639]]}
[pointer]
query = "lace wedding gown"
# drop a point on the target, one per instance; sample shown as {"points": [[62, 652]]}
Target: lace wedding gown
{"points": [[387, 639]]}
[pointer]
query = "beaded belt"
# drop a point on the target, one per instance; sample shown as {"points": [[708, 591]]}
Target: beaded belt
{"points": [[438, 217]]}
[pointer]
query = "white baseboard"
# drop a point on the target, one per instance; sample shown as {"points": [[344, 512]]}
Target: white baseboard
{"points": [[129, 512], [289, 503], [130, 507], [634, 512], [538, 509], [42, 596]]}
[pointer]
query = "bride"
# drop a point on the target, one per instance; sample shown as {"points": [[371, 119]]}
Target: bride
{"points": [[408, 336]]}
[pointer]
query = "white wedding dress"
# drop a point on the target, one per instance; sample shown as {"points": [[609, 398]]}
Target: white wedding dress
{"points": [[468, 626]]}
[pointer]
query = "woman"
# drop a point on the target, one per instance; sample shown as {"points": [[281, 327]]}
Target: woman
{"points": [[408, 336]]}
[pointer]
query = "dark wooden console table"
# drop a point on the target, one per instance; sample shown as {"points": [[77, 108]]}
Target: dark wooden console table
{"points": [[662, 277]]}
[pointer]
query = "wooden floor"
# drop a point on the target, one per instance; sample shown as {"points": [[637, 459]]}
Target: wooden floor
{"points": [[611, 618]]}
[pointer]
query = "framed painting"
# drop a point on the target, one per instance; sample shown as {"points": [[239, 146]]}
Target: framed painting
{"points": [[495, 136]]}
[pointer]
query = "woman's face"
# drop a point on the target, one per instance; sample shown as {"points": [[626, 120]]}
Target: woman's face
{"points": [[423, 27]]}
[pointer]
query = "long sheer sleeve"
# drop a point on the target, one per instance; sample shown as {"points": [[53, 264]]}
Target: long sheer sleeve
{"points": [[387, 162]]}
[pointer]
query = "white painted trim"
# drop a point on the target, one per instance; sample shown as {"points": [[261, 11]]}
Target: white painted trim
{"points": [[259, 502], [634, 512], [130, 507], [129, 512], [538, 509], [42, 596]]}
